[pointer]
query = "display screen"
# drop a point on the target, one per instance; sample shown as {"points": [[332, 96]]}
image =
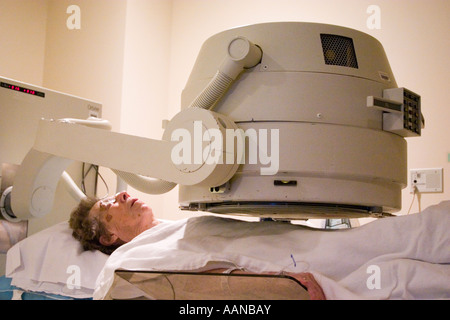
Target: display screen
{"points": [[22, 89]]}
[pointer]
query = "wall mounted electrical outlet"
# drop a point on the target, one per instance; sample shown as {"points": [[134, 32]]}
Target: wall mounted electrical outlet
{"points": [[426, 180]]}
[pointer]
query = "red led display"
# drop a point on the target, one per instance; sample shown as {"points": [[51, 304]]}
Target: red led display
{"points": [[22, 89]]}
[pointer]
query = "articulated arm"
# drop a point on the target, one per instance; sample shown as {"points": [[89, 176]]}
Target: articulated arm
{"points": [[35, 184], [196, 132], [58, 143]]}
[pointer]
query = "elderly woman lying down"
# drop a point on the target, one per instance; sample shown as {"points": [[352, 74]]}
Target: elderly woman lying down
{"points": [[405, 257]]}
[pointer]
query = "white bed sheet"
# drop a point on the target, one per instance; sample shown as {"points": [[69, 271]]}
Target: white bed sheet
{"points": [[411, 254]]}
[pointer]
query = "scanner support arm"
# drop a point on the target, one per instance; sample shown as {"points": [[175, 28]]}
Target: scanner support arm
{"points": [[133, 158]]}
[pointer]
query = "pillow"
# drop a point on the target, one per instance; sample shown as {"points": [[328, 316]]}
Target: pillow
{"points": [[52, 261]]}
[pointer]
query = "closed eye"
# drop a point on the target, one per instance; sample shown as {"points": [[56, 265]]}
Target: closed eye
{"points": [[106, 203]]}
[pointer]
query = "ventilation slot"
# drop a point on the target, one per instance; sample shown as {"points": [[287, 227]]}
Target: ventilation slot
{"points": [[338, 51]]}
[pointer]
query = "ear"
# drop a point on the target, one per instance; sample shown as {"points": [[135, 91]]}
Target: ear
{"points": [[108, 240]]}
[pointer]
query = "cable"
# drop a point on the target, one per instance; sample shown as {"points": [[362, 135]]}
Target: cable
{"points": [[416, 191], [97, 175], [418, 200], [83, 187]]}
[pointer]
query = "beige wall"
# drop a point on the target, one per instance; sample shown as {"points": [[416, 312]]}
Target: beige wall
{"points": [[145, 75], [135, 57], [22, 39], [87, 62]]}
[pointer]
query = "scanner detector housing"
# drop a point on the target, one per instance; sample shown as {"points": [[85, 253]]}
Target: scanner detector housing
{"points": [[336, 158]]}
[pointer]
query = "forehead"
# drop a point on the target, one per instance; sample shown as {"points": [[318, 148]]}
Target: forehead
{"points": [[99, 208], [107, 200]]}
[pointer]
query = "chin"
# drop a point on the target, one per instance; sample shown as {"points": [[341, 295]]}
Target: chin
{"points": [[148, 212]]}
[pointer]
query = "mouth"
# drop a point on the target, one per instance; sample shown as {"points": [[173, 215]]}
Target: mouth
{"points": [[133, 201]]}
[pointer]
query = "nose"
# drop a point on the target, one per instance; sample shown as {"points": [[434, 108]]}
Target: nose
{"points": [[122, 196]]}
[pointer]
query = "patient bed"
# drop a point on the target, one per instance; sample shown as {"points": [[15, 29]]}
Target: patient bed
{"points": [[410, 255], [155, 285], [405, 257]]}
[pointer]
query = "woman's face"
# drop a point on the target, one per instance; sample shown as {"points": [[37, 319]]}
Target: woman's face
{"points": [[124, 217]]}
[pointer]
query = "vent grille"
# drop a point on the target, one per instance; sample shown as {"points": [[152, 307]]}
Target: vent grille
{"points": [[412, 117], [338, 51]]}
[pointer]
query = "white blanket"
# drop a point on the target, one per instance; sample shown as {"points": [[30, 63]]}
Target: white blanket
{"points": [[405, 257]]}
